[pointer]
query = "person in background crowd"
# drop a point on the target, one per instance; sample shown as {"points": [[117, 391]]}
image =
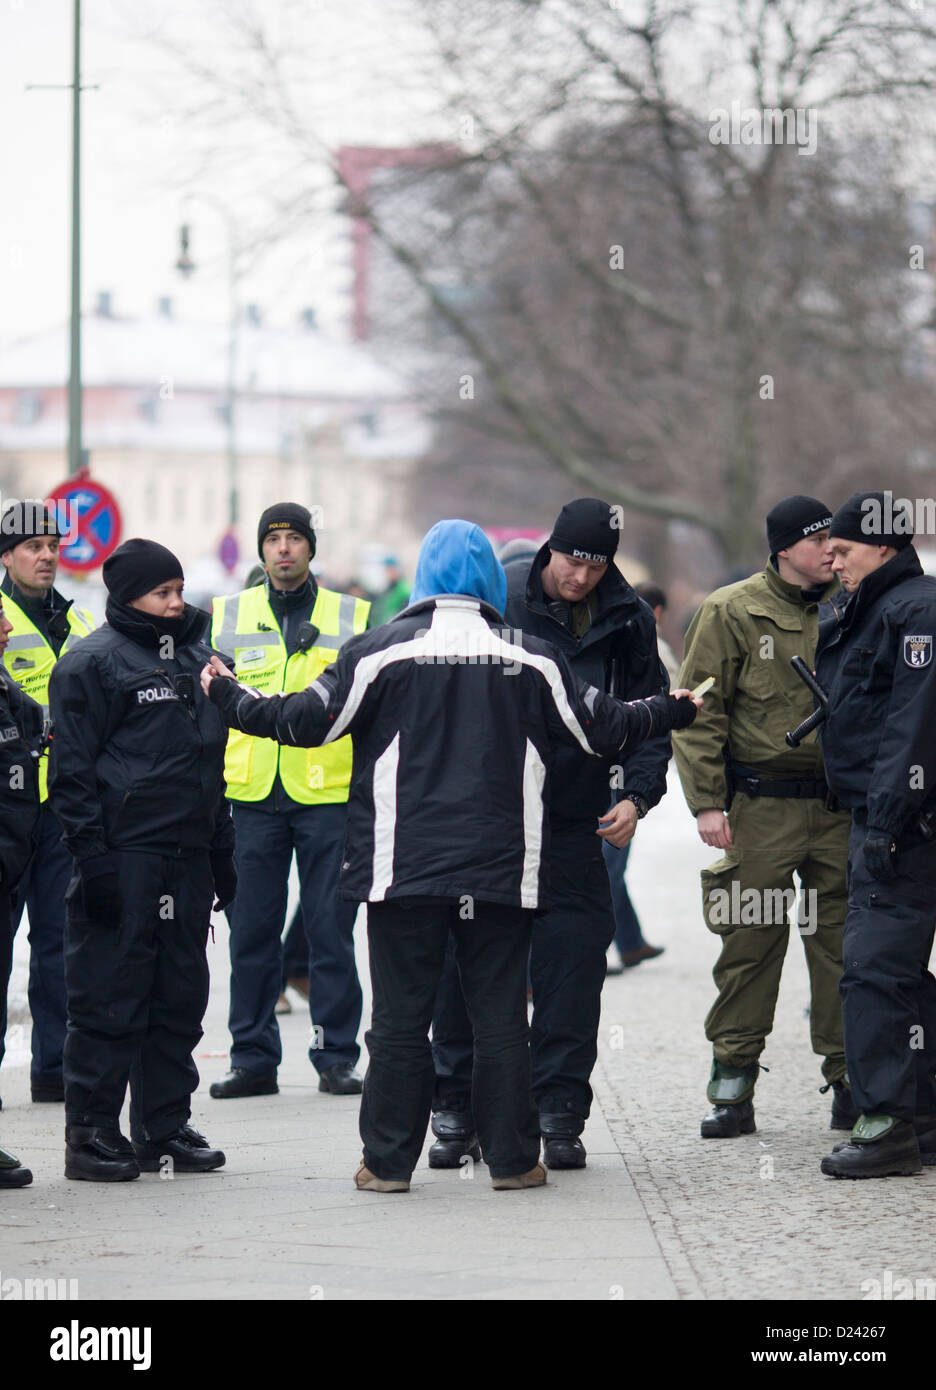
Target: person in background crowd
{"points": [[136, 780], [394, 597], [629, 941], [45, 627]]}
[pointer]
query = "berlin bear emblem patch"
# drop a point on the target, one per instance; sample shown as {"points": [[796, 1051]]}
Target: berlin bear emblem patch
{"points": [[918, 651]]}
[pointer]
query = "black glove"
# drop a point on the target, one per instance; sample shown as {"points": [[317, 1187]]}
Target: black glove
{"points": [[683, 711], [100, 891], [225, 880], [879, 851]]}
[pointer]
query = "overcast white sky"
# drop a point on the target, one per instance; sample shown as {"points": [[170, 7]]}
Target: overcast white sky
{"points": [[136, 149]]}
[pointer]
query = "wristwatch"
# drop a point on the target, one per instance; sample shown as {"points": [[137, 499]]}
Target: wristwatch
{"points": [[639, 802]]}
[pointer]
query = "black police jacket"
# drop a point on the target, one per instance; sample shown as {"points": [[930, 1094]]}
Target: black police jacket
{"points": [[875, 661], [618, 654], [137, 757], [21, 723]]}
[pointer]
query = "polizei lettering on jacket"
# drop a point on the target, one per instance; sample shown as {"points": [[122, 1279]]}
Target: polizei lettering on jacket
{"points": [[77, 1343], [154, 693]]}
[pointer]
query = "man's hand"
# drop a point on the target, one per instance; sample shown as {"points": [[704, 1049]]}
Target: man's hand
{"points": [[617, 826], [683, 694], [215, 667], [879, 854], [714, 829]]}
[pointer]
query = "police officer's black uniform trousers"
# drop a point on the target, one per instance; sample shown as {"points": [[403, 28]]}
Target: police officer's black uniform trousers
{"points": [[137, 993], [888, 992], [42, 891], [567, 970]]}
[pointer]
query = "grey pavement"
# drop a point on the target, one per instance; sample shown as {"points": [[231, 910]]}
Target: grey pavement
{"points": [[658, 1213]]}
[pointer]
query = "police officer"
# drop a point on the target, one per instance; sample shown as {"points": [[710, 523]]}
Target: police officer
{"points": [[136, 780], [572, 595], [875, 662], [781, 818], [45, 626], [21, 741], [282, 635]]}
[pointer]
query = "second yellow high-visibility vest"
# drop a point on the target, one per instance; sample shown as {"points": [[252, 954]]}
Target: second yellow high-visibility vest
{"points": [[29, 659], [245, 628]]}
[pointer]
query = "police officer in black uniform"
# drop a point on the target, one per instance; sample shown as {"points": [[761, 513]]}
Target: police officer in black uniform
{"points": [[875, 662], [137, 783], [572, 595], [21, 741]]}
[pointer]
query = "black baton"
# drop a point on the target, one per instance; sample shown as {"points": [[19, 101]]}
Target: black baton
{"points": [[817, 717]]}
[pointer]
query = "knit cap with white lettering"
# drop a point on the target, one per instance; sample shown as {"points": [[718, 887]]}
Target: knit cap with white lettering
{"points": [[794, 519], [585, 530]]}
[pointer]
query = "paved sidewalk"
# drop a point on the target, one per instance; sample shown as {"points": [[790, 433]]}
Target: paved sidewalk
{"points": [[658, 1214]]}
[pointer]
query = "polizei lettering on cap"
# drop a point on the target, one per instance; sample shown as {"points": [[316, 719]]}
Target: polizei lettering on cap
{"points": [[76, 1343], [586, 555]]}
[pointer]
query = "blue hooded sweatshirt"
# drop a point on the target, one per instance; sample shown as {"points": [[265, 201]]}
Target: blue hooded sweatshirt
{"points": [[456, 558]]}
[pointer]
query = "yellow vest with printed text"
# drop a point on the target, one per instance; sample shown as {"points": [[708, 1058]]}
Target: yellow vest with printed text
{"points": [[29, 660], [245, 628]]}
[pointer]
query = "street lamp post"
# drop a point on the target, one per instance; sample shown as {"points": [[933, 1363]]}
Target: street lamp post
{"points": [[186, 266]]}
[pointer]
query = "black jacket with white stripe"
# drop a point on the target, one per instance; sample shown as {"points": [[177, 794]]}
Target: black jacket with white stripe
{"points": [[454, 725]]}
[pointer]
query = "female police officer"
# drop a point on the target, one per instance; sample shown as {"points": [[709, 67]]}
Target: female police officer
{"points": [[136, 781]]}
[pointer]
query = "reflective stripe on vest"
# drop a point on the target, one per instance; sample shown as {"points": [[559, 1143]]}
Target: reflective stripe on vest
{"points": [[29, 659], [245, 628]]}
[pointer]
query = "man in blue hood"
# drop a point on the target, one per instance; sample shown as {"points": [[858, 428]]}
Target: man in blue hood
{"points": [[454, 726]]}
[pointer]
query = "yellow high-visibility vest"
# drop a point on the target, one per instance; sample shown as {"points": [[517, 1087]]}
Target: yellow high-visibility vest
{"points": [[245, 628], [29, 660]]}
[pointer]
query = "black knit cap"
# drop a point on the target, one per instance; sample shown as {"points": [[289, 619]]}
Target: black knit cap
{"points": [[873, 518], [138, 566], [286, 516], [21, 521], [584, 529], [795, 518]]}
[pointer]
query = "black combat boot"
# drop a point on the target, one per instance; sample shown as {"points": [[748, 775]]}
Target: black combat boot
{"points": [[925, 1126], [12, 1172], [727, 1121], [189, 1151], [880, 1146], [844, 1110], [730, 1090], [455, 1139], [96, 1154], [562, 1147]]}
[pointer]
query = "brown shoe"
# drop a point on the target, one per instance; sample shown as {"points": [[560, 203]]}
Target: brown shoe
{"points": [[300, 983], [534, 1178], [645, 952], [366, 1181], [283, 1005]]}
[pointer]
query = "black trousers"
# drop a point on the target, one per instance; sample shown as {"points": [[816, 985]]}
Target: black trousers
{"points": [[567, 972], [137, 993], [407, 948], [888, 993]]}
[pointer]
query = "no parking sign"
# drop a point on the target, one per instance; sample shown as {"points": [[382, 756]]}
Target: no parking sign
{"points": [[93, 522]]}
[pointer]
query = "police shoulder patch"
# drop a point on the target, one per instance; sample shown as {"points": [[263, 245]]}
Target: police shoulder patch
{"points": [[918, 650]]}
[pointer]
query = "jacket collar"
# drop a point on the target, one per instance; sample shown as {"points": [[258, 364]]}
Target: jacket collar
{"points": [[792, 593], [44, 608], [463, 601], [145, 631]]}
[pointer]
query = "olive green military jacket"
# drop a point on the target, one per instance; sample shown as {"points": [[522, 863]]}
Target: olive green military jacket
{"points": [[744, 635]]}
